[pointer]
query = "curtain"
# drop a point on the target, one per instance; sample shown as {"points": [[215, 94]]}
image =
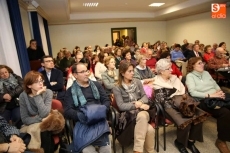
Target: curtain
{"points": [[35, 27], [8, 50], [19, 38], [47, 36]]}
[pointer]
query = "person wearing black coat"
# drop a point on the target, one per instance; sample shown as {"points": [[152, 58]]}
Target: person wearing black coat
{"points": [[11, 86]]}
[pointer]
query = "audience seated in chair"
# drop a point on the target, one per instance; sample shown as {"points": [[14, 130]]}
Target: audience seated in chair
{"points": [[66, 62], [194, 52], [53, 77], [219, 63], [91, 129], [127, 57], [169, 92], [201, 85], [35, 107], [118, 57], [11, 86], [100, 67], [179, 59], [133, 104], [175, 69], [10, 141], [71, 78], [208, 53], [150, 60], [110, 76], [143, 72]]}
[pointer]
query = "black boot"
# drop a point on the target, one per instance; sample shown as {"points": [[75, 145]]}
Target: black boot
{"points": [[180, 147], [192, 147]]}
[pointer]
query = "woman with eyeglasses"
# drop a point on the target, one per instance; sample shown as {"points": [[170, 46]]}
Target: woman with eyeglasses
{"points": [[202, 86], [11, 86], [133, 105], [35, 106], [170, 92]]}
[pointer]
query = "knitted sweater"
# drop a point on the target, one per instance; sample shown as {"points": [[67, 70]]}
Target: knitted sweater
{"points": [[201, 84], [34, 109]]}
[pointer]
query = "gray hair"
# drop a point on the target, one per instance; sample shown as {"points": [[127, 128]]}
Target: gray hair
{"points": [[162, 65]]}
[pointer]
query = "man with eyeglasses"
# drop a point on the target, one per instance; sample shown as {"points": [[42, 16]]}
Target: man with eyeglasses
{"points": [[219, 63], [53, 77], [81, 94], [150, 60]]}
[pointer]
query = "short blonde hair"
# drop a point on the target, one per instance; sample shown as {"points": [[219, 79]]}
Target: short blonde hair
{"points": [[139, 58], [162, 65], [107, 60]]}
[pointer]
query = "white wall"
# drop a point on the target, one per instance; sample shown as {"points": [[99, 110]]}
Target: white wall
{"points": [[100, 33], [201, 27], [26, 25]]}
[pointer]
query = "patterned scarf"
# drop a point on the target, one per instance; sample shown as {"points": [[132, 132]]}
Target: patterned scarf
{"points": [[9, 83], [113, 74], [78, 95], [130, 90]]}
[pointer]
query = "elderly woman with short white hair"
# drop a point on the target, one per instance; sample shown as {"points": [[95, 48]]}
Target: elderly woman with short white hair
{"points": [[170, 92], [143, 72]]}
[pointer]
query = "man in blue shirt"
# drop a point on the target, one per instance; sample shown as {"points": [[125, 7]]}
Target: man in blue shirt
{"points": [[178, 57], [176, 54]]}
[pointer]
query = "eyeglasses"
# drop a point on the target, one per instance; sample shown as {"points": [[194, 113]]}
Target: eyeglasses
{"points": [[39, 81], [49, 61], [169, 69], [130, 71], [84, 71], [201, 63]]}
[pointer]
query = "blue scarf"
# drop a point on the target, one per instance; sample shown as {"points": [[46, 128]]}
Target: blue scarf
{"points": [[78, 95]]}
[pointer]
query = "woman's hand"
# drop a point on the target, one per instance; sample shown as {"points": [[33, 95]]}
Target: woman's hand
{"points": [[218, 94], [45, 117], [7, 97], [145, 107], [138, 104], [16, 147], [16, 138], [41, 90]]}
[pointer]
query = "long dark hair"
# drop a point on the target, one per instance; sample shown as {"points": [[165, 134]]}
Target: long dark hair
{"points": [[124, 66]]}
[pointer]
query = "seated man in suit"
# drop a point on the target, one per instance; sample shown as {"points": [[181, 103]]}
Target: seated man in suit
{"points": [[53, 77], [85, 92], [9, 138], [195, 52], [219, 63]]}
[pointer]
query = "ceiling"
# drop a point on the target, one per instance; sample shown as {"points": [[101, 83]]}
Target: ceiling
{"points": [[73, 11]]}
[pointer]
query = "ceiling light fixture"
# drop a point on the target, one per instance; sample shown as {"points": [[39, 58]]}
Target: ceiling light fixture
{"points": [[156, 4], [90, 4]]}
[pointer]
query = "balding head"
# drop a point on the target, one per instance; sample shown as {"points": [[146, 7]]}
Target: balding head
{"points": [[220, 52]]}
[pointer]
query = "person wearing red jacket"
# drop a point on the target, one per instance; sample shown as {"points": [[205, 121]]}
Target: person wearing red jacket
{"points": [[175, 69]]}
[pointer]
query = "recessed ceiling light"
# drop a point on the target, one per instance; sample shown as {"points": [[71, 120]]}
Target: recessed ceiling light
{"points": [[90, 4], [156, 4]]}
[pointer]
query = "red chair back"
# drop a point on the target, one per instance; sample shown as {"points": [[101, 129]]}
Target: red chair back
{"points": [[113, 102], [56, 104]]}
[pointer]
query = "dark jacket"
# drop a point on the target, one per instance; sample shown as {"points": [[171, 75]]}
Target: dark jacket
{"points": [[85, 135], [56, 76], [191, 54], [14, 93], [35, 54], [70, 110]]}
